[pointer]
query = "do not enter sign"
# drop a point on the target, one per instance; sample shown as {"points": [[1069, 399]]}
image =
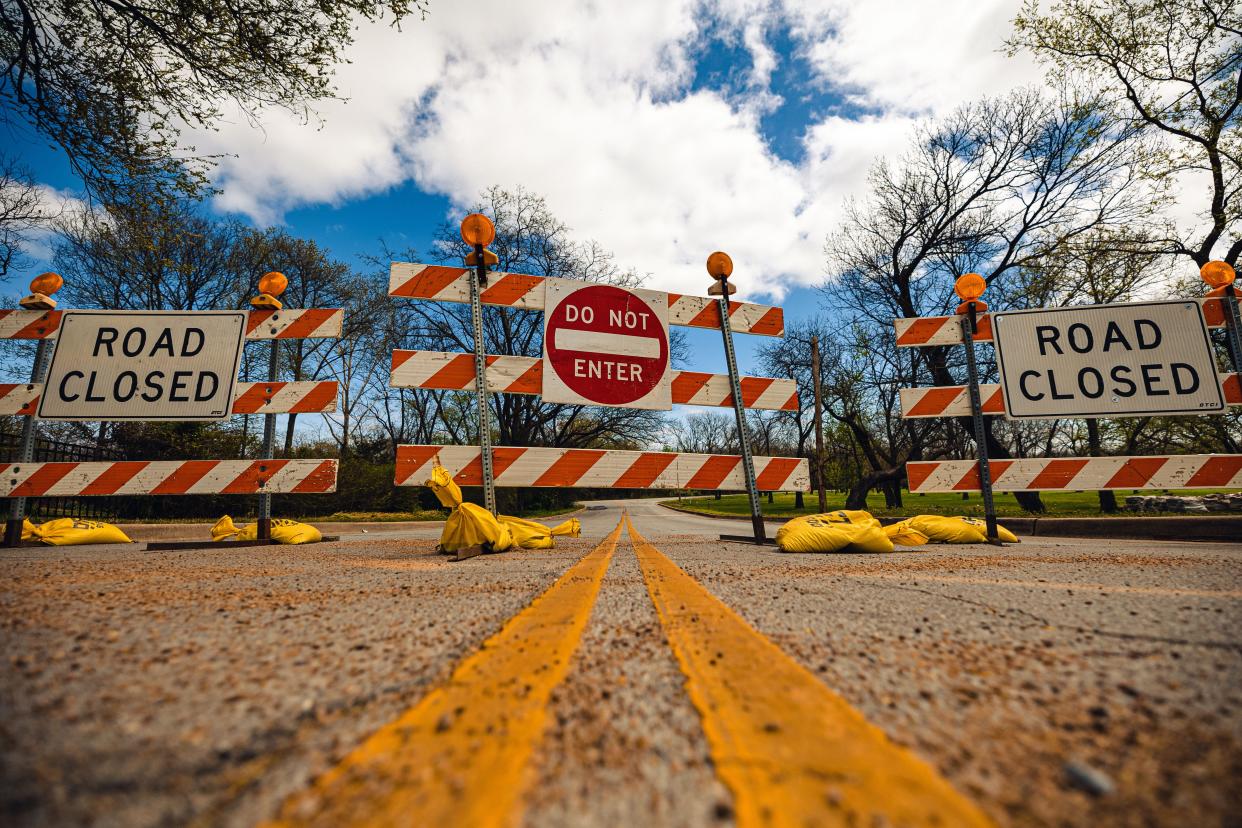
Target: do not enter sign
{"points": [[605, 345]]}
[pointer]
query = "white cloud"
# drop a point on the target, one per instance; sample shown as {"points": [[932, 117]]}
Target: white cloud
{"points": [[912, 57], [589, 105], [39, 235]]}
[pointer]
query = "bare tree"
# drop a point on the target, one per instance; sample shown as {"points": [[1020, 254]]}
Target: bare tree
{"points": [[21, 211], [1174, 69], [989, 189]]}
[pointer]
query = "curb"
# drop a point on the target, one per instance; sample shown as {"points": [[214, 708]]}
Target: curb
{"points": [[1226, 528]]}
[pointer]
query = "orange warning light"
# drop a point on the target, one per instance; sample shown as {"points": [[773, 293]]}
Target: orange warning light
{"points": [[273, 283], [719, 265], [1217, 274], [46, 283], [969, 286], [477, 229]]}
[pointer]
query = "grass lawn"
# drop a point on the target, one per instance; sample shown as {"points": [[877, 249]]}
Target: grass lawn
{"points": [[1059, 504]]}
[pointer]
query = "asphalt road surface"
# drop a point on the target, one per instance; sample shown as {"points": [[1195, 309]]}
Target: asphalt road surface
{"points": [[662, 677]]}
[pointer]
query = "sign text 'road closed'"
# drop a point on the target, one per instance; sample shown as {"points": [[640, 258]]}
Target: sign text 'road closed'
{"points": [[144, 365], [1107, 361], [605, 345]]}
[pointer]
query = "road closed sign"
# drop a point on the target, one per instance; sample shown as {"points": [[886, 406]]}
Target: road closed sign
{"points": [[144, 365], [1127, 360], [605, 345]]}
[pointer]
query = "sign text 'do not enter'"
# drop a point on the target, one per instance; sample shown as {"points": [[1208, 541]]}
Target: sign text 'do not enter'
{"points": [[1138, 359], [606, 345]]}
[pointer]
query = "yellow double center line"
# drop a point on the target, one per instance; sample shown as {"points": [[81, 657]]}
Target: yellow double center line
{"points": [[792, 751], [459, 756]]}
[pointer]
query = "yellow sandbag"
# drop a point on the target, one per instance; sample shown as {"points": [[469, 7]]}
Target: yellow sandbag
{"points": [[71, 532], [293, 532], [848, 530], [471, 525], [902, 534], [443, 487], [468, 524], [529, 534], [224, 529], [943, 529], [283, 531]]}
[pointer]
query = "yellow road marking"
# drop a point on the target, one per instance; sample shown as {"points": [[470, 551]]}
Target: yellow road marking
{"points": [[792, 751], [459, 756]]}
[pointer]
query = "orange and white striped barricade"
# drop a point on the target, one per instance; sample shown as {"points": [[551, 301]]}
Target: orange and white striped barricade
{"points": [[1044, 474], [524, 375], [519, 290], [582, 331], [167, 477], [929, 331], [953, 401], [267, 321], [600, 468], [1219, 309]]}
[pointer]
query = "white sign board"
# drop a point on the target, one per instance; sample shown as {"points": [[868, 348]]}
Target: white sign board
{"points": [[605, 345], [144, 365], [1128, 360]]}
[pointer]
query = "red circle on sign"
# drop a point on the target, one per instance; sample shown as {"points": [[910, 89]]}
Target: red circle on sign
{"points": [[607, 345]]}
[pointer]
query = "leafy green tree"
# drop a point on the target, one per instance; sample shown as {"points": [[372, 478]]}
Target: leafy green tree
{"points": [[113, 83], [1174, 68]]}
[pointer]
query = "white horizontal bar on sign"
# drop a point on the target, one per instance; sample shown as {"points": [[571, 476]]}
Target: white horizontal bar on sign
{"points": [[1188, 471], [569, 339], [167, 477], [926, 331], [600, 468], [524, 375], [954, 400], [440, 283], [248, 398]]}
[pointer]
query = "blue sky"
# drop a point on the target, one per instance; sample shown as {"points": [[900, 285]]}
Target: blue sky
{"points": [[664, 130]]}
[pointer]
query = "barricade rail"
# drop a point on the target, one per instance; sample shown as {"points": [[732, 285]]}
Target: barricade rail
{"points": [[600, 468], [976, 400], [29, 477], [519, 290], [1051, 474], [524, 375]]}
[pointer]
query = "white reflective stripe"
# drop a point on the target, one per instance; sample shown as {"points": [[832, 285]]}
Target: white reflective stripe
{"points": [[610, 344]]}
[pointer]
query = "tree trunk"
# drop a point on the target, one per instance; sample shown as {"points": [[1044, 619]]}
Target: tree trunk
{"points": [[857, 497], [799, 501], [1108, 500], [289, 435]]}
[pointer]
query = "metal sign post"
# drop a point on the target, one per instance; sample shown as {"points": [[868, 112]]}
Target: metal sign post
{"points": [[269, 446], [477, 230], [478, 278], [25, 453], [819, 426], [1233, 322], [969, 327], [719, 265]]}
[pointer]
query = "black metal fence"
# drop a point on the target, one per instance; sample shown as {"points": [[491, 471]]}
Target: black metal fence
{"points": [[49, 451]]}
